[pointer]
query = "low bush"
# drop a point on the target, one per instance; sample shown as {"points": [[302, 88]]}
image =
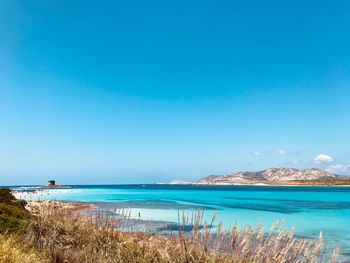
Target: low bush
{"points": [[6, 197], [13, 215]]}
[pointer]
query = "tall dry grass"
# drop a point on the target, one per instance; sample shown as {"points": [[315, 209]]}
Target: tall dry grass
{"points": [[13, 251], [64, 236]]}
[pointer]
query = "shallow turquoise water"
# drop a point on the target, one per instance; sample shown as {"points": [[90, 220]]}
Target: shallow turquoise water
{"points": [[309, 209]]}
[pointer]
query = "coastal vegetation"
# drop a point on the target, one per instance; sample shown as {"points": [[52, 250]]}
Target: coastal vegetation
{"points": [[56, 234], [13, 215]]}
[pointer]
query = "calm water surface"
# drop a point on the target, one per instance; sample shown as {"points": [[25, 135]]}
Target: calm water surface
{"points": [[309, 209]]}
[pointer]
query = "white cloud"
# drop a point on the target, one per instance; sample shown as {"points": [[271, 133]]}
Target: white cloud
{"points": [[323, 158], [257, 153], [281, 152], [339, 168]]}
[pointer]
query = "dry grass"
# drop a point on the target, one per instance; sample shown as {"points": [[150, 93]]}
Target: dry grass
{"points": [[12, 251], [64, 236]]}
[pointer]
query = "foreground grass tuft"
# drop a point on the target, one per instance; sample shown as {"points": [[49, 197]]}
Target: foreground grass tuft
{"points": [[54, 234], [70, 238], [12, 251]]}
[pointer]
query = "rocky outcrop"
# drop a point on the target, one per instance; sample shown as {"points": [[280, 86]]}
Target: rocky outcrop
{"points": [[270, 175]]}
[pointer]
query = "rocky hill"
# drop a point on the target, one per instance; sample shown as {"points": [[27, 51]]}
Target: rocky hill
{"points": [[270, 175]]}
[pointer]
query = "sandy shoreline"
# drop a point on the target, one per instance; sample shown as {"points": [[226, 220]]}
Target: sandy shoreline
{"points": [[121, 217], [37, 207]]}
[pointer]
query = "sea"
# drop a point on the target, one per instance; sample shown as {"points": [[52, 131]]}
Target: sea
{"points": [[308, 210]]}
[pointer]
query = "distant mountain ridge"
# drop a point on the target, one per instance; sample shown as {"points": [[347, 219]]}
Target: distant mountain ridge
{"points": [[270, 175]]}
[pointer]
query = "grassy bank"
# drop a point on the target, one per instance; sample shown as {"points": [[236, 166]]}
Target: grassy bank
{"points": [[55, 234]]}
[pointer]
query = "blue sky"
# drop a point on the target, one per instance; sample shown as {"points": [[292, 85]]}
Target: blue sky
{"points": [[149, 91]]}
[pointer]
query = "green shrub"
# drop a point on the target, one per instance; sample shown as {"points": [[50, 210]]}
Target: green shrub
{"points": [[6, 197], [13, 215]]}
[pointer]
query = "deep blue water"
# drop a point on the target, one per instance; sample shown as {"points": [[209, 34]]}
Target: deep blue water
{"points": [[309, 209]]}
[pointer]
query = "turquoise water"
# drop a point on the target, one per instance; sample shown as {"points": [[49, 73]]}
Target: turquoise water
{"points": [[309, 209]]}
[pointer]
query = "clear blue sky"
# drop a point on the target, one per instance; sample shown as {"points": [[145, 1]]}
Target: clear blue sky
{"points": [[149, 91]]}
